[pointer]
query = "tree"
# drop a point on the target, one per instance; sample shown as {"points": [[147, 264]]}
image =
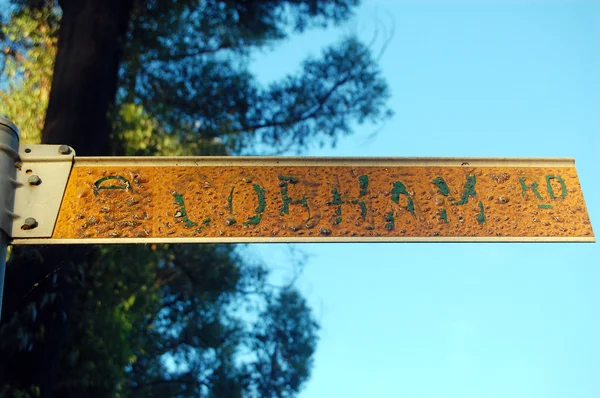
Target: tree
{"points": [[169, 77]]}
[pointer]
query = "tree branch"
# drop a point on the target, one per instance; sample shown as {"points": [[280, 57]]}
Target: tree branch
{"points": [[195, 53], [164, 382], [311, 113]]}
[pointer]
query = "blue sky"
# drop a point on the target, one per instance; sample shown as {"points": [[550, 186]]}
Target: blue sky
{"points": [[468, 78]]}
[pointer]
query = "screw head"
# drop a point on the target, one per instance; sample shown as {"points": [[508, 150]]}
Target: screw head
{"points": [[64, 150], [29, 223], [34, 180]]}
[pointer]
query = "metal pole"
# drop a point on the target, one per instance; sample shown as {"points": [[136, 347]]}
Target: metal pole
{"points": [[3, 247], [9, 147]]}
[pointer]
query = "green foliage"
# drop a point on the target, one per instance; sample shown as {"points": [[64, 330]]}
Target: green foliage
{"points": [[188, 67], [285, 343], [27, 51], [136, 133], [121, 298]]}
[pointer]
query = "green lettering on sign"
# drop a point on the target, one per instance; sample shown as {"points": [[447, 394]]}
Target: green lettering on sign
{"points": [[230, 200], [400, 189], [469, 191], [285, 207], [363, 210], [481, 215], [182, 212], [304, 204], [390, 221], [562, 186], [255, 220], [442, 186], [291, 180], [337, 200], [444, 216], [338, 213], [96, 187], [533, 187], [363, 183]]}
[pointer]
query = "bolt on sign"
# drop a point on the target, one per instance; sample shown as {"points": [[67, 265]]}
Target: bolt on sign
{"points": [[241, 199]]}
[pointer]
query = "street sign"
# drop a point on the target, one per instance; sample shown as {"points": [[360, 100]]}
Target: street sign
{"points": [[255, 199]]}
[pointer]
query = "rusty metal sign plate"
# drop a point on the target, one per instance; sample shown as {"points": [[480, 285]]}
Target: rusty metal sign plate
{"points": [[234, 199]]}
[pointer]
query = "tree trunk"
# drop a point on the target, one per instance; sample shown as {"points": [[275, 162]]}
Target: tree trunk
{"points": [[83, 90], [85, 82], [86, 74]]}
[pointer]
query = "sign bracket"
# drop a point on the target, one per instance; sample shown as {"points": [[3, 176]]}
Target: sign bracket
{"points": [[41, 180]]}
